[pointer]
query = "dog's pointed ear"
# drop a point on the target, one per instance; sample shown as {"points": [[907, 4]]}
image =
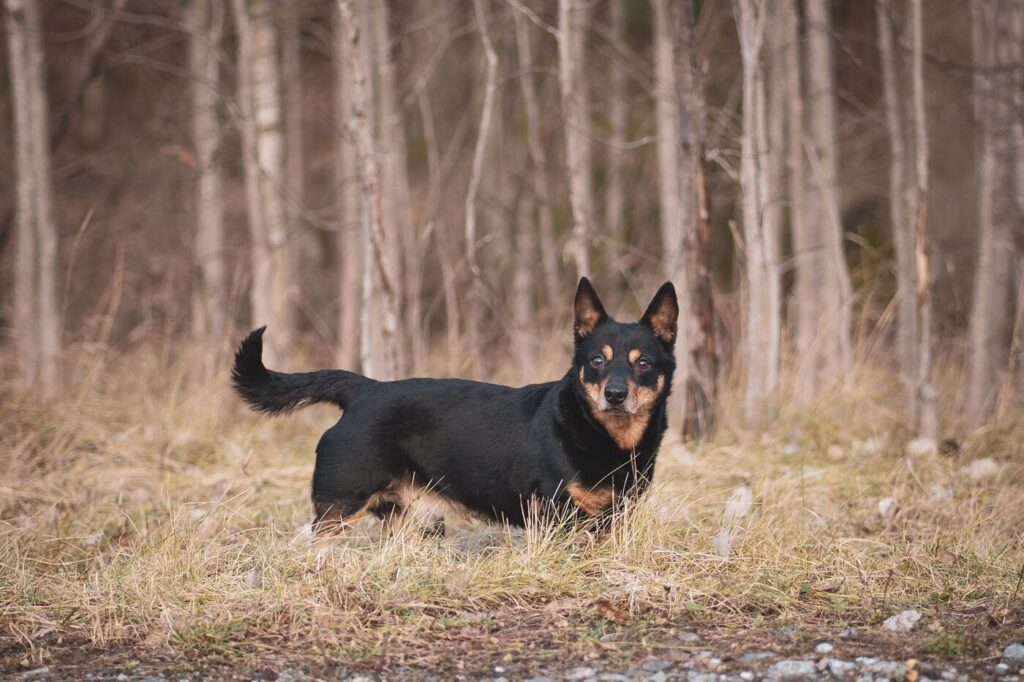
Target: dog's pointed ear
{"points": [[663, 314], [588, 309]]}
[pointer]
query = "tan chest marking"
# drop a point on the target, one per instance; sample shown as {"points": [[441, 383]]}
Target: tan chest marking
{"points": [[591, 500]]}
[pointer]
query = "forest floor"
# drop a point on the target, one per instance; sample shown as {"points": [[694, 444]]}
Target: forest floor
{"points": [[153, 530]]}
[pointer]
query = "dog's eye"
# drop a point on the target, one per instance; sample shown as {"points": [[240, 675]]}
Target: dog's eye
{"points": [[643, 364], [597, 362]]}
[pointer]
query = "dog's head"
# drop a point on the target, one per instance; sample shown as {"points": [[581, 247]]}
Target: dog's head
{"points": [[624, 369]]}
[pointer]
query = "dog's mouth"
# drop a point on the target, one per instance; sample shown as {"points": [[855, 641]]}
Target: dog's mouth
{"points": [[623, 410]]}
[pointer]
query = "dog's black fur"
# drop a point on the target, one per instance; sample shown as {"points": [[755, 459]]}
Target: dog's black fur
{"points": [[582, 442]]}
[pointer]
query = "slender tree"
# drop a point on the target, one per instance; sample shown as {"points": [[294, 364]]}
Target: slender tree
{"points": [[538, 156], [615, 190], [379, 346], [209, 301], [572, 23], [259, 94], [993, 275], [761, 313], [349, 241], [899, 203], [36, 313], [826, 329]]}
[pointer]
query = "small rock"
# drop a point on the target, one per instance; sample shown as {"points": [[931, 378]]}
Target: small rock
{"points": [[1001, 669], [739, 504], [792, 668], [752, 657], [887, 508], [922, 447], [705, 677], [723, 544], [839, 667], [981, 469], [746, 675], [656, 666], [1014, 653], [849, 633], [904, 621], [121, 676], [835, 452], [824, 648], [37, 672], [612, 677], [658, 677], [690, 638], [580, 673]]}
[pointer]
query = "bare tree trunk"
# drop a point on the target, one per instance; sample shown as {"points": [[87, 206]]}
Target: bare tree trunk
{"points": [[523, 300], [902, 231], [832, 316], [259, 84], [806, 260], [37, 322], [761, 356], [401, 255], [575, 110], [538, 157], [301, 243], [615, 191], [209, 302], [376, 277], [474, 310], [926, 411], [701, 387], [667, 117], [350, 244]]}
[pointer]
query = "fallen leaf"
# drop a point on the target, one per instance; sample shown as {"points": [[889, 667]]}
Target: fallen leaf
{"points": [[610, 612]]}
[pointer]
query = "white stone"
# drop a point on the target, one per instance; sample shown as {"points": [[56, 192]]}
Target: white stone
{"points": [[904, 621]]}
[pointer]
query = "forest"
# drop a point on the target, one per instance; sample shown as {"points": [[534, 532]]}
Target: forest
{"points": [[413, 188]]}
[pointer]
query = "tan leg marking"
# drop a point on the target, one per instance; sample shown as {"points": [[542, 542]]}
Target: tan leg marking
{"points": [[591, 500]]}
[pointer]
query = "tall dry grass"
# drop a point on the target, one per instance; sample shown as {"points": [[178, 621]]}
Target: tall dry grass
{"points": [[147, 509]]}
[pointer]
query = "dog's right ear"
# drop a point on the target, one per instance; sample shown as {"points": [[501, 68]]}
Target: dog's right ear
{"points": [[588, 309]]}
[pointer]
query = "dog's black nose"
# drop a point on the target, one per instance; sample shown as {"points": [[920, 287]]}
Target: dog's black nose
{"points": [[615, 394]]}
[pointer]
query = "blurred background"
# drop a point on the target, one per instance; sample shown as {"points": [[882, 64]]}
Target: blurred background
{"points": [[407, 188]]}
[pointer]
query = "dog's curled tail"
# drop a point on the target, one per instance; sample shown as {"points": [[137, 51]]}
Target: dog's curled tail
{"points": [[278, 393]]}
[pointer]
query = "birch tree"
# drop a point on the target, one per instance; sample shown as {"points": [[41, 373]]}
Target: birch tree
{"points": [[259, 94], [615, 191], [349, 239], [826, 327], [761, 318], [572, 22], [379, 360], [899, 203], [990, 311], [209, 301], [36, 312], [538, 156]]}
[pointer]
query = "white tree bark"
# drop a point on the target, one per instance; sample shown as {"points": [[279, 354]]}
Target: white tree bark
{"points": [[538, 157], [615, 190], [349, 241], [37, 320], [990, 309], [761, 320], [474, 310], [572, 22], [899, 206], [926, 409], [209, 303], [259, 85], [831, 352], [376, 276], [667, 118]]}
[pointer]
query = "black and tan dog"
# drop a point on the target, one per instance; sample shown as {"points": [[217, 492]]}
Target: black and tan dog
{"points": [[582, 442]]}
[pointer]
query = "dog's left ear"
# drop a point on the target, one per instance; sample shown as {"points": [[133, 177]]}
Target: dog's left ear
{"points": [[663, 314]]}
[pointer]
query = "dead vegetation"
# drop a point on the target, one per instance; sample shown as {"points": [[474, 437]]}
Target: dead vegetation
{"points": [[155, 516]]}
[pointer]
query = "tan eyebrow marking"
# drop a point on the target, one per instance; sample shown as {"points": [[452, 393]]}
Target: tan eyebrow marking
{"points": [[634, 355], [607, 352]]}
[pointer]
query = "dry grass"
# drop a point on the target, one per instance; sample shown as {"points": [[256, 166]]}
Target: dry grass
{"points": [[148, 512]]}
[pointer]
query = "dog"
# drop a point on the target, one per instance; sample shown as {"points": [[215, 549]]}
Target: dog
{"points": [[584, 443]]}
